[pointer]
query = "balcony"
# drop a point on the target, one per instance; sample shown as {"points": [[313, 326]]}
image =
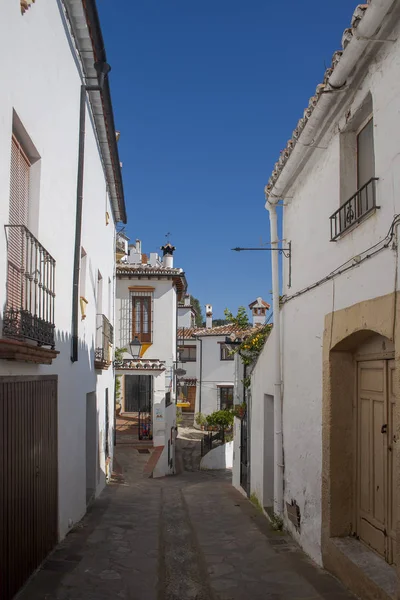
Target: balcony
{"points": [[29, 310], [354, 210], [104, 342]]}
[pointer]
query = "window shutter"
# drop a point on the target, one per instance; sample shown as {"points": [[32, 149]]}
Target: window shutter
{"points": [[18, 215], [19, 185]]}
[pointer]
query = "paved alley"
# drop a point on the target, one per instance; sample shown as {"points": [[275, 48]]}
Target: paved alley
{"points": [[191, 536]]}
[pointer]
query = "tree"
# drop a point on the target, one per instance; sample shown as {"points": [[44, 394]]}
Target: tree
{"points": [[199, 314], [241, 319], [218, 322]]}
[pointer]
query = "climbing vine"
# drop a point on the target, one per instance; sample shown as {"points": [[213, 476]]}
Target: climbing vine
{"points": [[251, 347]]}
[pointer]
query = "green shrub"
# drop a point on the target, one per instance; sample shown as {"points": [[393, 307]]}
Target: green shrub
{"points": [[200, 419]]}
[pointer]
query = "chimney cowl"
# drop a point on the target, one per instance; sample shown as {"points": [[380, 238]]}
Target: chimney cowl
{"points": [[168, 249], [209, 315], [168, 255]]}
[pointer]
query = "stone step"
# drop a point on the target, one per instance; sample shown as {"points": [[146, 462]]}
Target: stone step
{"points": [[187, 420]]}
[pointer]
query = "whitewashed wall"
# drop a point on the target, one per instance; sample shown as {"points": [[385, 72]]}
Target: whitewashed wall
{"points": [[163, 348], [214, 372], [43, 87], [190, 366], [236, 454], [261, 426], [306, 223], [218, 458], [164, 318], [184, 316]]}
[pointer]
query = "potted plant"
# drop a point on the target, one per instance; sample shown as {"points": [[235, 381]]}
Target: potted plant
{"points": [[200, 420], [239, 410]]}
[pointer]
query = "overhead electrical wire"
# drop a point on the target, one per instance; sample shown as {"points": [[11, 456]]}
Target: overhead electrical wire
{"points": [[355, 261]]}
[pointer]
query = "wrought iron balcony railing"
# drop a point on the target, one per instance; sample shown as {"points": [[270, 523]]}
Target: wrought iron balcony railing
{"points": [[104, 341], [355, 209], [29, 310]]}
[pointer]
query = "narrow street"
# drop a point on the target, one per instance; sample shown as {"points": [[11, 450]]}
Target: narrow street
{"points": [[191, 536]]}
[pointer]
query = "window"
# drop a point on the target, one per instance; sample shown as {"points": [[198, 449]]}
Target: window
{"points": [[142, 318], [99, 294], [18, 215], [226, 353], [188, 353], [365, 162], [19, 185], [225, 397], [357, 170]]}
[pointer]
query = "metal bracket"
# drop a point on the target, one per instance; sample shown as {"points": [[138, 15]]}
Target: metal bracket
{"points": [[287, 253]]}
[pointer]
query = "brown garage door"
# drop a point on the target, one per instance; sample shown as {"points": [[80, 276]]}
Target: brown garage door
{"points": [[28, 477]]}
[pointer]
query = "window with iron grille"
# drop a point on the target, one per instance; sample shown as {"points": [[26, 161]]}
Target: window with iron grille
{"points": [[225, 397], [188, 353], [29, 310], [142, 316], [357, 171], [225, 353]]}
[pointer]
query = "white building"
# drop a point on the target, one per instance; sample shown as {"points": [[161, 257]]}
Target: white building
{"points": [[147, 294], [209, 381], [332, 358], [60, 199], [186, 313]]}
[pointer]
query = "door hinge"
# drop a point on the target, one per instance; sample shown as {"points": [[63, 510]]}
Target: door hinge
{"points": [[384, 428]]}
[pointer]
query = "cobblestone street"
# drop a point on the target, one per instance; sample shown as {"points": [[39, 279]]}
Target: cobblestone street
{"points": [[191, 536]]}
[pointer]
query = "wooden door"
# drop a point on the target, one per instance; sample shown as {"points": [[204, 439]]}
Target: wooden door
{"points": [[28, 477], [375, 490], [191, 397], [391, 441]]}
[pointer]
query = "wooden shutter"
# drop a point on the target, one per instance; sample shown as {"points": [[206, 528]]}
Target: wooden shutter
{"points": [[19, 185], [18, 215], [142, 318]]}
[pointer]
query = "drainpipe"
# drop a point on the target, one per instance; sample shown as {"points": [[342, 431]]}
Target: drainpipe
{"points": [[278, 438], [201, 371], [102, 70]]}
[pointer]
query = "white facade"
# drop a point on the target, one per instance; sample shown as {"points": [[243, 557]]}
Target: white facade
{"points": [[141, 277], [303, 317], [328, 278], [212, 372], [40, 106]]}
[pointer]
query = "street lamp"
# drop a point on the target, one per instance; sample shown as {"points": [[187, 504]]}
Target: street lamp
{"points": [[135, 345]]}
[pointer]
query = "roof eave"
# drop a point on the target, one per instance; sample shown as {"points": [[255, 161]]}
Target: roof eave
{"points": [[85, 26]]}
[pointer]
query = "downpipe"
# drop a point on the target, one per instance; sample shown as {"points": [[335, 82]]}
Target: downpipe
{"points": [[278, 437], [102, 69]]}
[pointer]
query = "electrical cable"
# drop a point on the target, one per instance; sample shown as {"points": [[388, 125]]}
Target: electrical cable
{"points": [[343, 268]]}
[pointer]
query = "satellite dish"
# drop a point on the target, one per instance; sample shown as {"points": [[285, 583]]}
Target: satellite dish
{"points": [[180, 372]]}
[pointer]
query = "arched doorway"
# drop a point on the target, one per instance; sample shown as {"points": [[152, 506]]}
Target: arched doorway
{"points": [[360, 448]]}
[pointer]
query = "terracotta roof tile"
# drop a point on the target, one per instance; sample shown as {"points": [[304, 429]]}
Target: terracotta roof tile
{"points": [[186, 333], [222, 330]]}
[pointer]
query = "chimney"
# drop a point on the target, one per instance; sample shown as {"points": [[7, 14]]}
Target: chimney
{"points": [[208, 316], [187, 300], [138, 246], [168, 255], [259, 309]]}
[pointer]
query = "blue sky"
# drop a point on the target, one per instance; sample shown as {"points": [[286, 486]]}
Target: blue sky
{"points": [[205, 95]]}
